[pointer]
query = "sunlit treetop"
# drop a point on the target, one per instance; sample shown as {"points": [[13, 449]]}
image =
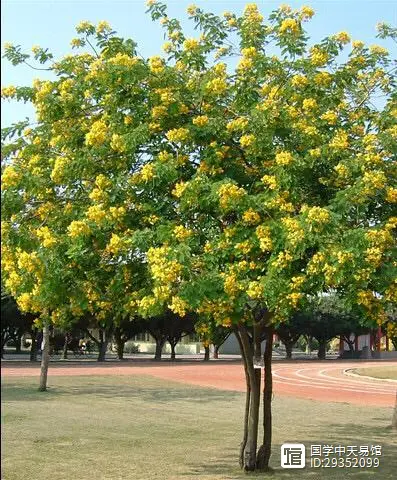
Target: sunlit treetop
{"points": [[243, 168]]}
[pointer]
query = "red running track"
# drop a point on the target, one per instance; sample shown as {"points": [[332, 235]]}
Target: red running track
{"points": [[323, 381]]}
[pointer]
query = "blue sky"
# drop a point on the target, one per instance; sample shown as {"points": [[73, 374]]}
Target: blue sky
{"points": [[51, 24]]}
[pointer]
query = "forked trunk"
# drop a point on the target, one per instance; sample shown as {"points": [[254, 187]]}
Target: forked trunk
{"points": [[264, 452], [45, 357], [216, 351], [250, 440], [120, 343]]}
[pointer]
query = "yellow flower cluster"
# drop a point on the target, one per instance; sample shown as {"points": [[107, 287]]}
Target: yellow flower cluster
{"points": [[306, 12], [97, 134], [309, 104], [244, 247], [293, 299], [247, 140], [317, 215], [373, 256], [290, 26], [117, 143], [264, 235], [255, 290], [182, 233], [156, 64], [251, 217], [179, 189], [98, 195], [284, 158], [178, 135], [391, 195], [323, 79], [231, 284], [78, 228], [10, 177], [58, 171], [123, 60], [365, 298], [237, 125], [340, 141], [270, 181], [96, 214], [299, 81], [373, 180], [318, 56], [342, 37], [378, 50], [344, 257], [330, 117], [178, 306], [295, 233], [103, 27], [46, 236], [316, 263], [217, 85], [164, 270], [191, 44], [8, 92], [200, 121], [282, 261], [116, 244], [252, 15], [146, 173], [229, 193]]}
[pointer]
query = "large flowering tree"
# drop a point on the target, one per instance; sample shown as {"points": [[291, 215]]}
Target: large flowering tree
{"points": [[193, 183]]}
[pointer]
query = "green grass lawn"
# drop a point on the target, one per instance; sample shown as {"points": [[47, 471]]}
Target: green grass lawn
{"points": [[389, 372], [142, 428]]}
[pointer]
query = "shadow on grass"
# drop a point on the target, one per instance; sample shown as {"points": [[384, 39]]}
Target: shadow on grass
{"points": [[174, 394], [340, 434]]}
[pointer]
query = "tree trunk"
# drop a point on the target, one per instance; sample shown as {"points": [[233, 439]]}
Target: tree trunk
{"points": [[64, 355], [216, 351], [254, 375], [33, 347], [288, 349], [264, 452], [120, 343], [160, 341], [173, 345], [394, 419], [18, 340], [103, 345], [45, 357], [322, 349], [206, 353]]}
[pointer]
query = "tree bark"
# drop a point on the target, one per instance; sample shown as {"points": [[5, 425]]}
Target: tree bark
{"points": [[216, 351], [288, 349], [64, 355], [322, 349], [394, 419], [160, 341], [206, 353], [172, 345], [103, 345], [120, 343], [263, 456], [45, 357], [249, 455], [33, 347], [247, 402], [18, 339]]}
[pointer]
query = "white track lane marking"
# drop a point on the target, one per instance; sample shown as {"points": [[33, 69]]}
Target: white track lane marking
{"points": [[305, 383], [341, 382]]}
